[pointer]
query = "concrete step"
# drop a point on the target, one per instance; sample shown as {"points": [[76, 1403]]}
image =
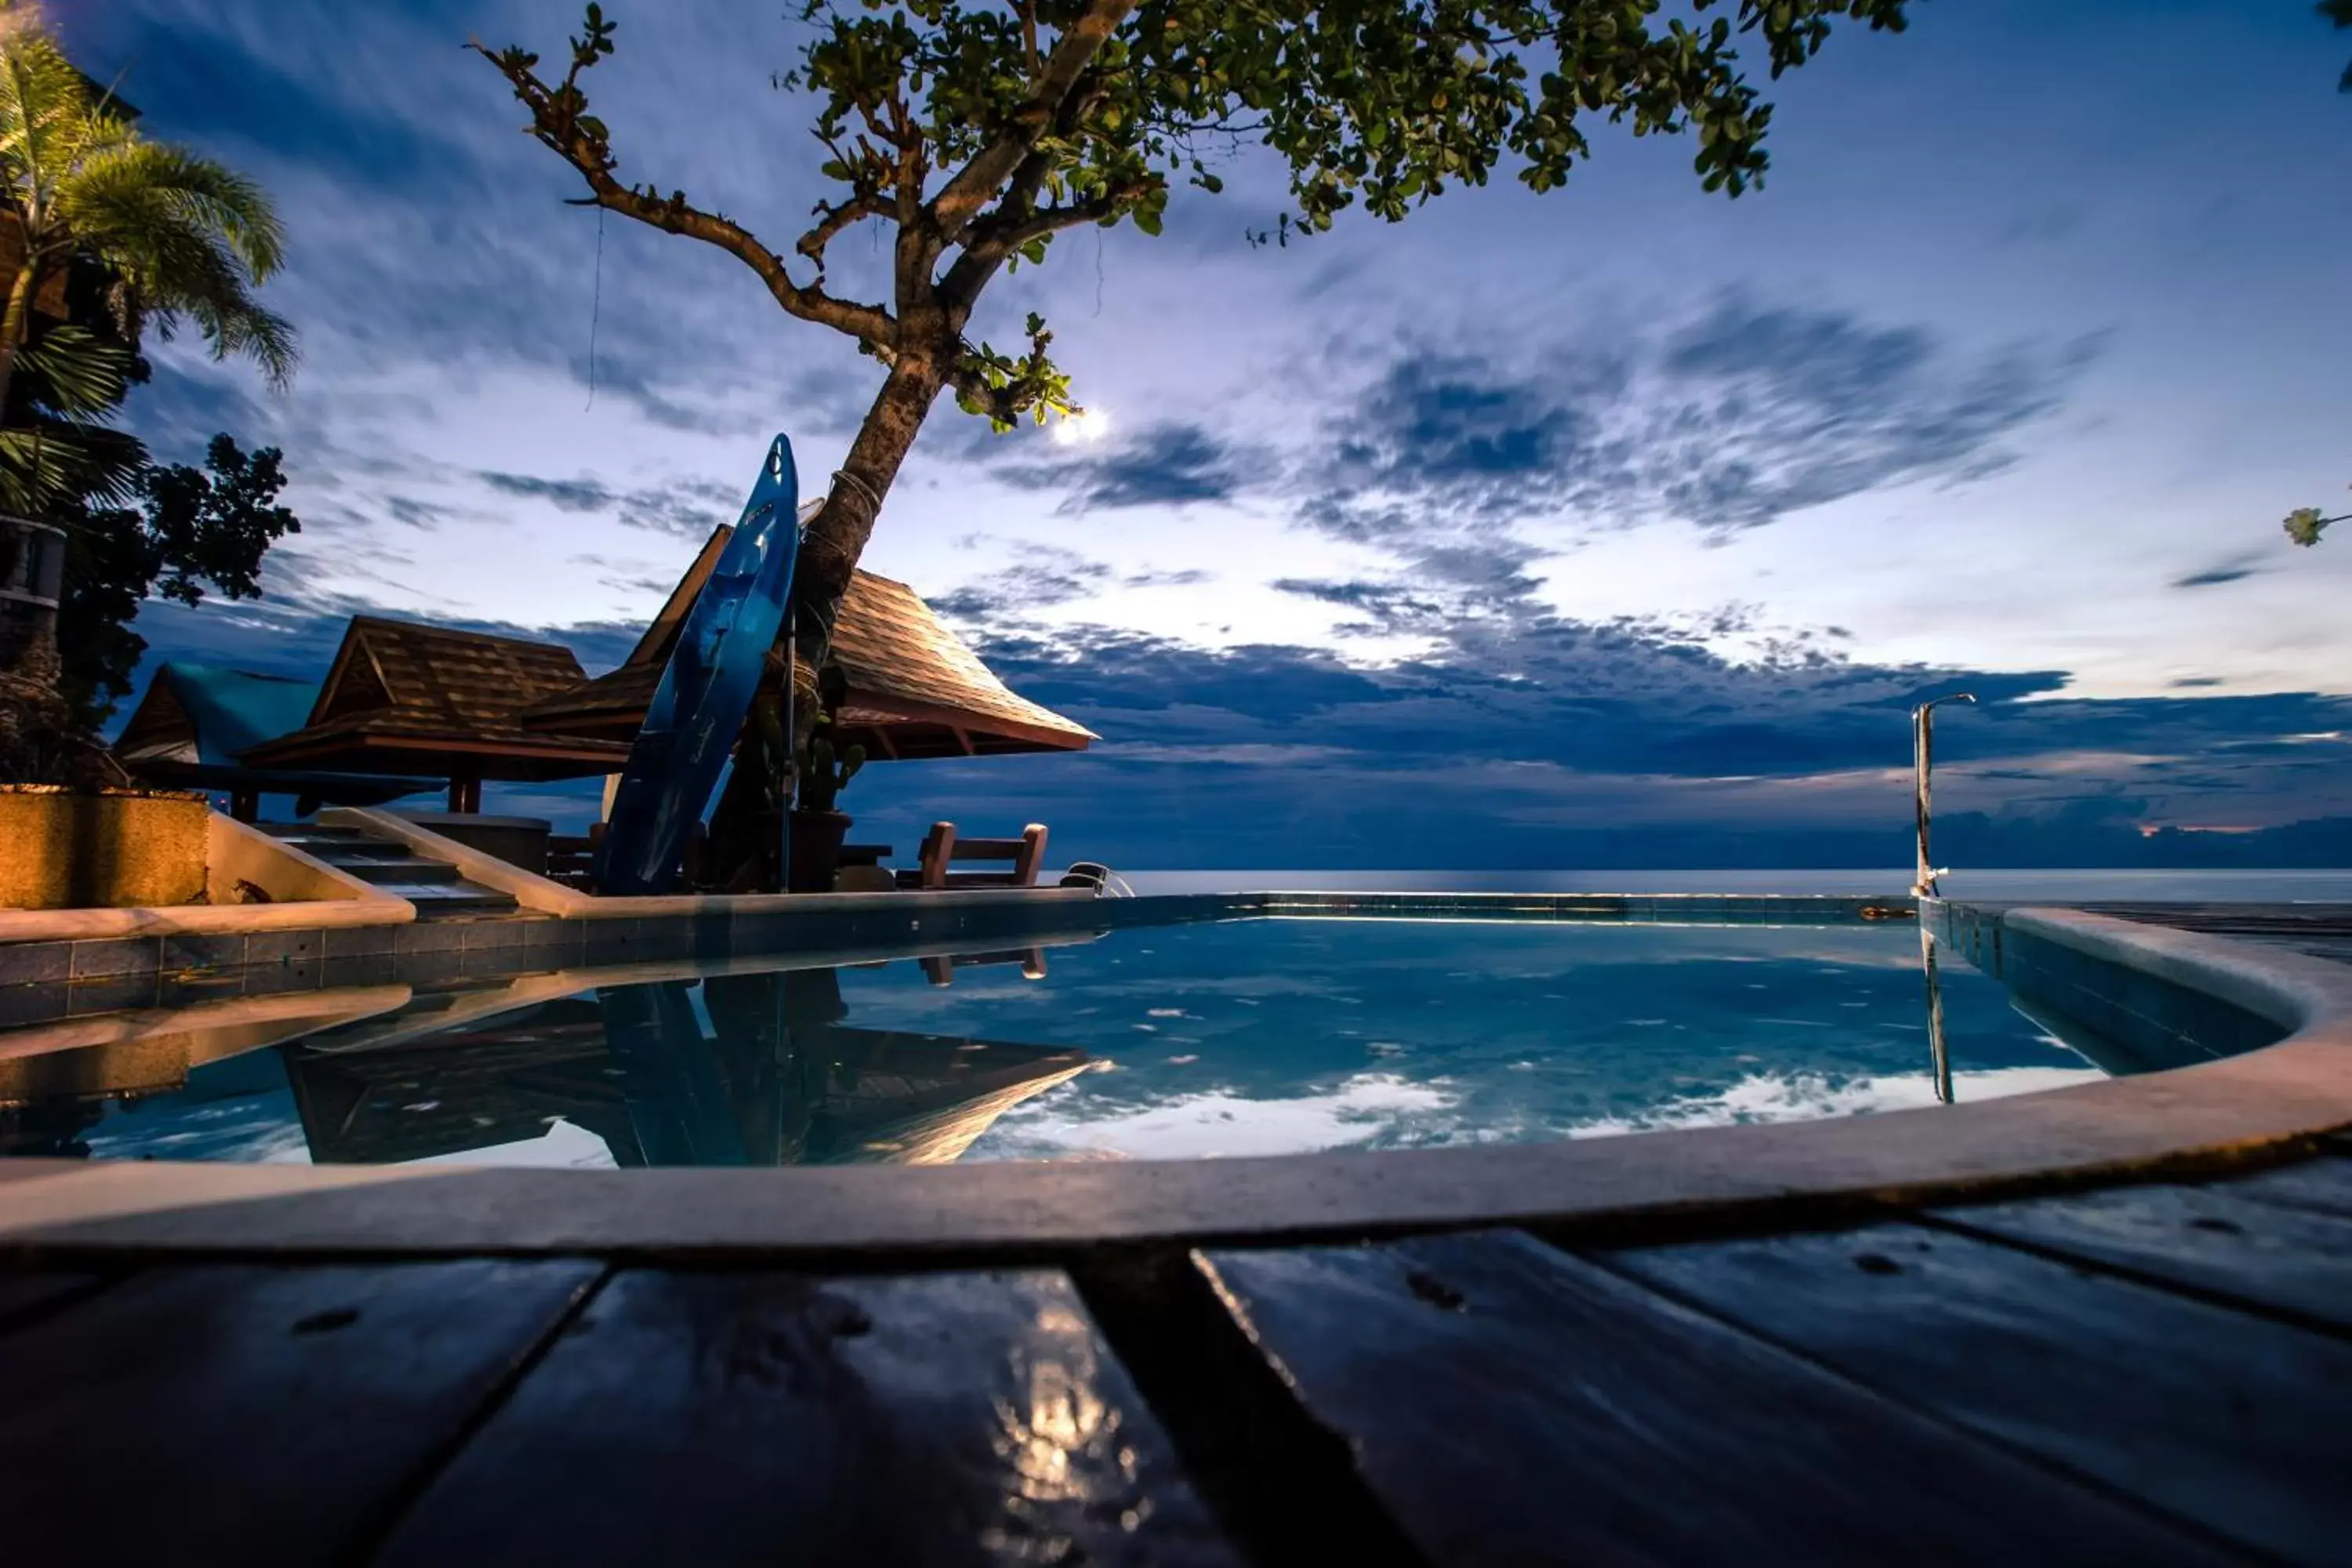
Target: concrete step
{"points": [[435, 901], [384, 871], [434, 886]]}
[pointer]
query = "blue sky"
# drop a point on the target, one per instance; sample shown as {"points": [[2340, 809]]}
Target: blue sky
{"points": [[1623, 521]]}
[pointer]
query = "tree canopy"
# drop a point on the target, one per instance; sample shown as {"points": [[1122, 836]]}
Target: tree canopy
{"points": [[979, 133], [189, 530]]}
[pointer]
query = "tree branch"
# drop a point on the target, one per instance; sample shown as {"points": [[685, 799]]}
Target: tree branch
{"points": [[580, 141], [978, 180], [832, 220]]}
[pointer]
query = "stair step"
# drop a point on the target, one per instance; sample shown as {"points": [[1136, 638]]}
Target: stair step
{"points": [[405, 871], [308, 830], [368, 849], [437, 899]]}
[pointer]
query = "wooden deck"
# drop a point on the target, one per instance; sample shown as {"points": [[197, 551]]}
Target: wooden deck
{"points": [[2143, 1373], [2154, 1373]]}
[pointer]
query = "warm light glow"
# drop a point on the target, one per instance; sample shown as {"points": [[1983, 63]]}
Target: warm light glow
{"points": [[1092, 425]]}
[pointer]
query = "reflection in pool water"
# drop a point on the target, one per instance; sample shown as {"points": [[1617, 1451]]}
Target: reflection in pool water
{"points": [[1242, 1038]]}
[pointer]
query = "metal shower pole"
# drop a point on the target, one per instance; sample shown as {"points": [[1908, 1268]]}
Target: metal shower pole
{"points": [[1923, 746], [790, 760]]}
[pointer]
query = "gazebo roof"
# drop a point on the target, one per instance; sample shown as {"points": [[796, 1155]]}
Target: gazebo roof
{"points": [[914, 688], [408, 698], [196, 719]]}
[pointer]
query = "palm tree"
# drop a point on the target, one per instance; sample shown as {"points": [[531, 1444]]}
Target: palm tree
{"points": [[181, 238], [88, 205]]}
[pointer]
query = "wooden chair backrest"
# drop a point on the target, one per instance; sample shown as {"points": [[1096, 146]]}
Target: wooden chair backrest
{"points": [[941, 848]]}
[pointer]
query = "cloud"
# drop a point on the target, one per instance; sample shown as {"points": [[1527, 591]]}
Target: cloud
{"points": [[1610, 743], [2236, 570], [1731, 421], [1168, 464], [414, 512], [580, 495], [689, 508], [1042, 577]]}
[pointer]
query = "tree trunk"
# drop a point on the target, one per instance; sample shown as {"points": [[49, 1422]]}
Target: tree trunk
{"points": [[836, 537], [837, 534], [11, 326]]}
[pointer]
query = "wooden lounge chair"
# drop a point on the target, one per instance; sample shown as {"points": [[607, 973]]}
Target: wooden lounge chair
{"points": [[942, 848]]}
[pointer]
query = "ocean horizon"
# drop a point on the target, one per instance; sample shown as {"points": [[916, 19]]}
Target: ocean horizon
{"points": [[2086, 885]]}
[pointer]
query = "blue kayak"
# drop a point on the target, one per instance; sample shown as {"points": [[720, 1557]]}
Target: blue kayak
{"points": [[706, 689]]}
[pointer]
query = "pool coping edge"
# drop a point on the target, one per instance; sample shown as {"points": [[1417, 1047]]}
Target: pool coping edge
{"points": [[2272, 1101]]}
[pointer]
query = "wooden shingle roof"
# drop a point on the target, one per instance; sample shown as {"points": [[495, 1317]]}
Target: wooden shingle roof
{"points": [[197, 720], [914, 688], [419, 698], [919, 689]]}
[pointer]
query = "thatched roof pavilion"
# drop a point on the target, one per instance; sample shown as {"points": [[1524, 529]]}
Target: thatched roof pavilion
{"points": [[914, 688], [197, 720], [410, 699]]}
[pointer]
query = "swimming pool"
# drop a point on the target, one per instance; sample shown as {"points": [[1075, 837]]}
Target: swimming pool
{"points": [[1208, 1039]]}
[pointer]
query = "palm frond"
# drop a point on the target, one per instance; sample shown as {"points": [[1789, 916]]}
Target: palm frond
{"points": [[45, 118], [191, 238], [45, 461], [72, 372], [132, 182]]}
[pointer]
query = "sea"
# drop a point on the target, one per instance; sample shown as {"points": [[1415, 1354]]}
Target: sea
{"points": [[2002, 884]]}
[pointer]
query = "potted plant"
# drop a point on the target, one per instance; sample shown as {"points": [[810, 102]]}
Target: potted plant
{"points": [[817, 829]]}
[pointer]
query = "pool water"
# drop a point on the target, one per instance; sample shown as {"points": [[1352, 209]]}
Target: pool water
{"points": [[1258, 1036]]}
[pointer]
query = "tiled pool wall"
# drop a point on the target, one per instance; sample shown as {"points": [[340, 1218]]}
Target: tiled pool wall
{"points": [[2125, 1019], [44, 982]]}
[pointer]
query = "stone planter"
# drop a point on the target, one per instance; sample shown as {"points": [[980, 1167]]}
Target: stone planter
{"points": [[107, 849]]}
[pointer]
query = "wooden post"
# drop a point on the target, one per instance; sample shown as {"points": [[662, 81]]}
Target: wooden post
{"points": [[245, 805], [465, 793]]}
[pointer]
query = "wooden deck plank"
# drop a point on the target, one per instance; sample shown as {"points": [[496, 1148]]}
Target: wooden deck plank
{"points": [[2235, 1422], [2325, 1185], [223, 1412], [1512, 1405], [739, 1417], [2285, 1259], [23, 1296]]}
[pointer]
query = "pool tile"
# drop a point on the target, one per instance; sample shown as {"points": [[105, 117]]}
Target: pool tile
{"points": [[225, 950], [284, 946], [124, 955], [427, 936], [22, 1005], [112, 993], [36, 963], [359, 941]]}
